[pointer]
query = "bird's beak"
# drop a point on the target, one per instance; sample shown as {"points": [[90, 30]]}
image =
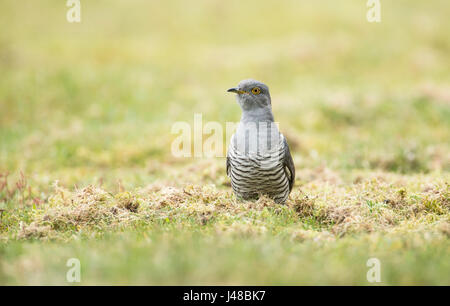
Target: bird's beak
{"points": [[236, 90]]}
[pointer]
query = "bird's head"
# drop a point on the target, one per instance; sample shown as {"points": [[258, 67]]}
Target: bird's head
{"points": [[252, 95]]}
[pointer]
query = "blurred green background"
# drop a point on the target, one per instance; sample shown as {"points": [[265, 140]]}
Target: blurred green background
{"points": [[94, 102], [105, 92]]}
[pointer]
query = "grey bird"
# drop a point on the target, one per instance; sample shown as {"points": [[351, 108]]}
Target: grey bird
{"points": [[259, 161]]}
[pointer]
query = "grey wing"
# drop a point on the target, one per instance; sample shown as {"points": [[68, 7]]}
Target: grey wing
{"points": [[228, 156], [228, 165], [289, 165]]}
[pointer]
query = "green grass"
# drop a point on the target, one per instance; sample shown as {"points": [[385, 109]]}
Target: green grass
{"points": [[365, 107]]}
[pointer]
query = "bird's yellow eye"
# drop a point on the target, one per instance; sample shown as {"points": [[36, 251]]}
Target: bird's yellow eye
{"points": [[256, 91]]}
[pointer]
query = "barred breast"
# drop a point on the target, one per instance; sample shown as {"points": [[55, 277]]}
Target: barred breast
{"points": [[255, 174]]}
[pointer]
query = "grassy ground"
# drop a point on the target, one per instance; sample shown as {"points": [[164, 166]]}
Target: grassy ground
{"points": [[86, 169]]}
